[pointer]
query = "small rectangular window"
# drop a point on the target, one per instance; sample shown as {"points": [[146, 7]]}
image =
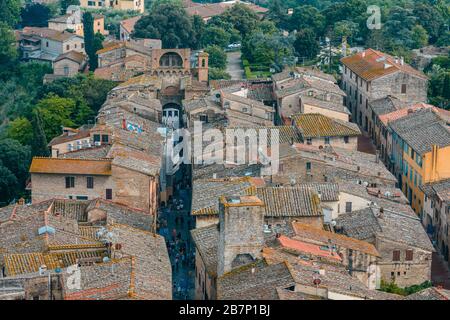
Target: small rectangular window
{"points": [[105, 138], [108, 194], [346, 139], [96, 138], [70, 182], [348, 207], [327, 140], [403, 88], [90, 182], [308, 166]]}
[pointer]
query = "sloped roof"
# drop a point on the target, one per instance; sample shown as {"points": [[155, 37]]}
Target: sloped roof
{"points": [[206, 193], [55, 35], [432, 293], [318, 125], [422, 129], [75, 56], [328, 191], [331, 105], [336, 279], [206, 241], [257, 281], [372, 64], [439, 188], [397, 114], [289, 201], [398, 227], [80, 133], [71, 166], [386, 105], [128, 24], [310, 233]]}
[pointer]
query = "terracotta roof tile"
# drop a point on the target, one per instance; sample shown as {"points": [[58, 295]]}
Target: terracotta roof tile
{"points": [[128, 24], [372, 64], [70, 166], [309, 233], [318, 125]]}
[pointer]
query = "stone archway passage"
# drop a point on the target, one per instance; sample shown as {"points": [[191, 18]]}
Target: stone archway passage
{"points": [[171, 115]]}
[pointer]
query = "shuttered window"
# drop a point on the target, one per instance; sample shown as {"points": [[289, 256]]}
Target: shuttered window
{"points": [[409, 255], [396, 255]]}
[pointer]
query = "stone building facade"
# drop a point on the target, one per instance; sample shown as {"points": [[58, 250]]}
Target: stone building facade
{"points": [[404, 247], [371, 75]]}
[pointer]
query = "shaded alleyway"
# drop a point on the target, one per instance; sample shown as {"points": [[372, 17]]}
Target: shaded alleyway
{"points": [[175, 223]]}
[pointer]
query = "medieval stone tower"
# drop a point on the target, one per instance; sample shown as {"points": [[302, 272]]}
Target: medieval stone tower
{"points": [[203, 67], [241, 237]]}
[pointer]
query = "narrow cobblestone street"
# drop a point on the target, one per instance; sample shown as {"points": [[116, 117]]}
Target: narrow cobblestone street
{"points": [[175, 223]]}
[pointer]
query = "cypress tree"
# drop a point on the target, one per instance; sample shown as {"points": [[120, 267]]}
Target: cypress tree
{"points": [[39, 144], [89, 41]]}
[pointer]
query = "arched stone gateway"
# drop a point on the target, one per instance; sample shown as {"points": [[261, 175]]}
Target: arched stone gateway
{"points": [[171, 115]]}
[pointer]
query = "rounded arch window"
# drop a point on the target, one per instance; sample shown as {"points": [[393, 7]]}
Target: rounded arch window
{"points": [[171, 60]]}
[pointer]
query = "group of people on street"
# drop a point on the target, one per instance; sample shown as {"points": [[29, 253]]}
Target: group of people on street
{"points": [[174, 224]]}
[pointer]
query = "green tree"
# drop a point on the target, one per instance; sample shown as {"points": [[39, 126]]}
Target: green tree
{"points": [[39, 143], [344, 28], [242, 18], [306, 44], [10, 12], [168, 22], [217, 57], [430, 18], [218, 74], [89, 40], [55, 113], [198, 28], [216, 36], [268, 49], [419, 37], [16, 158], [66, 3], [307, 17], [35, 15], [398, 27], [20, 129], [277, 13], [8, 51], [8, 185]]}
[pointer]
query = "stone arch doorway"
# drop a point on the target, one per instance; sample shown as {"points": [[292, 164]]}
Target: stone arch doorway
{"points": [[171, 115]]}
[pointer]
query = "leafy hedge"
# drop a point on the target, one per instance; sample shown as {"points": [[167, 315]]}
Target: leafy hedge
{"points": [[391, 287]]}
